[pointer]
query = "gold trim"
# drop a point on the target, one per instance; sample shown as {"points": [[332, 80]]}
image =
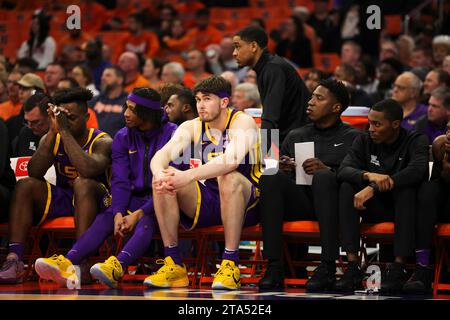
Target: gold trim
{"points": [[56, 146], [197, 210], [91, 132], [47, 205], [211, 138], [95, 139]]}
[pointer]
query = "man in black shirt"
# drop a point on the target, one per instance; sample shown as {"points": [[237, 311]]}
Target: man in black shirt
{"points": [[36, 125], [7, 178], [282, 199], [380, 176], [283, 93]]}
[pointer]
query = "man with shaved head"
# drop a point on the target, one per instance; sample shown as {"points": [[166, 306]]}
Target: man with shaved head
{"points": [[406, 91], [129, 63]]}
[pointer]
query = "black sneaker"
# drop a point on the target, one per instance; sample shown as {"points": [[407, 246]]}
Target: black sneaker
{"points": [[393, 278], [351, 280], [273, 278], [420, 281], [322, 279]]}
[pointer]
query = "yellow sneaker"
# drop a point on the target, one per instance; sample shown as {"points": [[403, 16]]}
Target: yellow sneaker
{"points": [[108, 272], [170, 275], [227, 277], [58, 269]]}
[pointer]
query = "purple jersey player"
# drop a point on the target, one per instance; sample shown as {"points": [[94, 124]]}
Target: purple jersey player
{"points": [[82, 159], [220, 188], [131, 187]]}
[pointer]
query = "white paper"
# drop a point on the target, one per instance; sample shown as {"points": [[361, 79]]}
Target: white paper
{"points": [[303, 151]]}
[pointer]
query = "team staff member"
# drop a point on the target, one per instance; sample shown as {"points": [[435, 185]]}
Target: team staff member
{"points": [[283, 93], [282, 199], [380, 176]]}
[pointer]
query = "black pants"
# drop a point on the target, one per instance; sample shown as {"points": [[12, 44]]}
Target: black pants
{"points": [[433, 207], [396, 206], [283, 200], [5, 197]]}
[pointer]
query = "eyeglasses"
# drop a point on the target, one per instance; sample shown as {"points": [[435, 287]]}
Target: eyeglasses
{"points": [[32, 124]]}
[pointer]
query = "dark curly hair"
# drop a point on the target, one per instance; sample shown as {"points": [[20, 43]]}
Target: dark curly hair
{"points": [[144, 113], [78, 95]]}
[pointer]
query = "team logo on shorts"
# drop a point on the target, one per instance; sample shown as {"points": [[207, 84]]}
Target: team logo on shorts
{"points": [[194, 163]]}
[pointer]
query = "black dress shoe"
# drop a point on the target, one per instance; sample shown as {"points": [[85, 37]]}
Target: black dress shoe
{"points": [[393, 278], [420, 281], [273, 278], [322, 279], [351, 280]]}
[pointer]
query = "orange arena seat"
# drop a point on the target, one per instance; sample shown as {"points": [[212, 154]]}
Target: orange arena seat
{"points": [[442, 238]]}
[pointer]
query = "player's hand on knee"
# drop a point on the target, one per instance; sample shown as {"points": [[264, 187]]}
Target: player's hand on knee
{"points": [[118, 222], [361, 197]]}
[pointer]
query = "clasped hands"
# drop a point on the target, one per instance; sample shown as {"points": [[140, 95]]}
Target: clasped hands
{"points": [[169, 181]]}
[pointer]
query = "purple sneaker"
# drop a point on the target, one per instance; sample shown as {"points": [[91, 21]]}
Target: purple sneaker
{"points": [[12, 271]]}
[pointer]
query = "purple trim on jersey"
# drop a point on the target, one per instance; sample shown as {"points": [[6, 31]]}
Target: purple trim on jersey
{"points": [[131, 177], [155, 105]]}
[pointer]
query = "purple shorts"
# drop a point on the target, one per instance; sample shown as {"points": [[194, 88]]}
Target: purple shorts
{"points": [[60, 202], [208, 209]]}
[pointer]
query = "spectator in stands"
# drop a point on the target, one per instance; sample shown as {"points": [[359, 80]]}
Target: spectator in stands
{"points": [[245, 96], [406, 91], [152, 71], [54, 73], [139, 40], [40, 45], [108, 106], [283, 200], [204, 34], [303, 14], [29, 84], [69, 47], [173, 72], [422, 57], [37, 123], [435, 78], [326, 28], [294, 45], [283, 94], [433, 206], [178, 40], [26, 65], [350, 52], [3, 87], [181, 107], [84, 78], [94, 60], [366, 75], [312, 79], [129, 63], [7, 178], [250, 76], [196, 68], [388, 70], [231, 78], [12, 106], [131, 189], [446, 64], [346, 73], [434, 123], [388, 49], [405, 45], [441, 48], [81, 157], [380, 176], [220, 57]]}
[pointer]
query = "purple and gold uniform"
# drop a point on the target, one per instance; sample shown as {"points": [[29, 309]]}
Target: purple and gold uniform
{"points": [[208, 198], [60, 196]]}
